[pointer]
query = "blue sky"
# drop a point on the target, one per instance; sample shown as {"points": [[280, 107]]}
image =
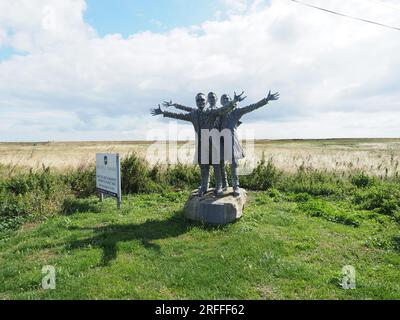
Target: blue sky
{"points": [[128, 17], [6, 52], [131, 16]]}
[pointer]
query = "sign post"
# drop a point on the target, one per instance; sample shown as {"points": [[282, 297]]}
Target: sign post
{"points": [[108, 176], [119, 197]]}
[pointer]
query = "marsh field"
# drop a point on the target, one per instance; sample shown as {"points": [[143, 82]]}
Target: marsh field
{"points": [[374, 156], [314, 208]]}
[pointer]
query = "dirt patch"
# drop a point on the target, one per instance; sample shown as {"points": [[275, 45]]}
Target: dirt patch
{"points": [[267, 292]]}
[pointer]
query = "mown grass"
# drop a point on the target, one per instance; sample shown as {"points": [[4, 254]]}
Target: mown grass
{"points": [[148, 251]]}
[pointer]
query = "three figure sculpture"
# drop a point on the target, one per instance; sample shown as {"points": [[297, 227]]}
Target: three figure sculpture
{"points": [[216, 135]]}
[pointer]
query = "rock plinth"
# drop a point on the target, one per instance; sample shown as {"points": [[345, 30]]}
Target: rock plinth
{"points": [[214, 210]]}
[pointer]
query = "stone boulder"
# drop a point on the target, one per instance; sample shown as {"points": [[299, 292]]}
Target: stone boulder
{"points": [[214, 210]]}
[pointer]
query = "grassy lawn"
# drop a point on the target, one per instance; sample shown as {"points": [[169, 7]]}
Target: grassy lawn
{"points": [[148, 251]]}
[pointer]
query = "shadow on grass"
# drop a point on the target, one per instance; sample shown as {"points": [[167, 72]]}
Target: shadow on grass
{"points": [[107, 237], [71, 206]]}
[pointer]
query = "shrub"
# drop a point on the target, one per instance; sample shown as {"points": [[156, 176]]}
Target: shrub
{"points": [[264, 177], [82, 181], [299, 197], [396, 216], [326, 210], [274, 194], [43, 180], [383, 198], [158, 174], [315, 183], [12, 211], [31, 197], [136, 176], [362, 180], [396, 243], [183, 176]]}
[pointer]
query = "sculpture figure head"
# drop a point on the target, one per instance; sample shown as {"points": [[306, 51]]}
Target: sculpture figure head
{"points": [[212, 100], [201, 101], [225, 100]]}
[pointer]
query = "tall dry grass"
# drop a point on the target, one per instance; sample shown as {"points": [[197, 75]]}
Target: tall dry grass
{"points": [[378, 157]]}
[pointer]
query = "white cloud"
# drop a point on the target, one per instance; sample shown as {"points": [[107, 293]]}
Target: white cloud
{"points": [[36, 26], [329, 70], [236, 6]]}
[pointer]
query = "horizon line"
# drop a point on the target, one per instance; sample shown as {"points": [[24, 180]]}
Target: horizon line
{"points": [[186, 140]]}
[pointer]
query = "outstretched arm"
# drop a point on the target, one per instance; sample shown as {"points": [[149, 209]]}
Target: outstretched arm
{"points": [[260, 104], [229, 107], [184, 108], [178, 116], [168, 104]]}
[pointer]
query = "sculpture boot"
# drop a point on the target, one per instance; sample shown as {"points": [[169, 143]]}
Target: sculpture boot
{"points": [[235, 179], [218, 181], [225, 184], [205, 175]]}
